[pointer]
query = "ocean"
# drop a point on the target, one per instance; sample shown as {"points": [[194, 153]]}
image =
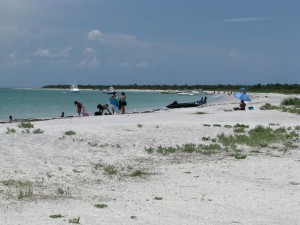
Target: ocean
{"points": [[45, 103]]}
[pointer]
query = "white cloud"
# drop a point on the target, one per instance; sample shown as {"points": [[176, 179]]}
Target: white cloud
{"points": [[120, 40], [42, 52], [246, 19], [125, 64], [234, 54], [94, 35], [144, 63], [90, 51], [92, 62], [12, 56], [66, 52]]}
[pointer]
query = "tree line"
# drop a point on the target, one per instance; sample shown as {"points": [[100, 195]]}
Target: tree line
{"points": [[262, 88]]}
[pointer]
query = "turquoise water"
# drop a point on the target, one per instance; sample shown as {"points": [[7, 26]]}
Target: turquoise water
{"points": [[40, 103]]}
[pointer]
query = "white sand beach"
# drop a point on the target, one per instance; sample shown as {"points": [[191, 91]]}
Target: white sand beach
{"points": [[105, 164]]}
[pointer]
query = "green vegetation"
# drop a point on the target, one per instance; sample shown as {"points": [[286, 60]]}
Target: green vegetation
{"points": [[100, 206], [22, 189], [291, 105], [140, 125], [291, 101], [110, 170], [10, 130], [187, 148], [56, 216], [26, 125], [70, 132], [281, 139], [268, 88], [74, 220], [138, 173], [37, 131], [258, 137]]}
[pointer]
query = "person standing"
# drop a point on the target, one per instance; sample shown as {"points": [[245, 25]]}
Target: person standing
{"points": [[113, 101], [122, 102], [80, 108]]}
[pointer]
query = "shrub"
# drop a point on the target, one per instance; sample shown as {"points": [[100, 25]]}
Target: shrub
{"points": [[37, 131], [70, 132], [291, 101], [10, 130], [100, 206], [25, 125]]}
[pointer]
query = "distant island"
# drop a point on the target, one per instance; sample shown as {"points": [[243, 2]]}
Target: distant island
{"points": [[266, 88]]}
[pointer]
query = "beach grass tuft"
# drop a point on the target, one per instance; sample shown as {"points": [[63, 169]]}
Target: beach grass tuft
{"points": [[110, 169], [37, 131], [70, 132], [100, 206], [55, 216], [26, 125], [75, 220], [10, 130]]}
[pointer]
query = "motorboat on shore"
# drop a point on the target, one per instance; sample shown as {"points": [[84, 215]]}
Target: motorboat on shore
{"points": [[175, 104]]}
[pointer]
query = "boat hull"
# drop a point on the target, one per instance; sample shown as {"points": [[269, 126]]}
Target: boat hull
{"points": [[182, 105]]}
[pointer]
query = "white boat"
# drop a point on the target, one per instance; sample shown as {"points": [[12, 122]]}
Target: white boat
{"points": [[74, 88], [110, 90], [185, 93]]}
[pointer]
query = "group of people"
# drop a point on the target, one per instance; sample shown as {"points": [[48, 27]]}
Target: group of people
{"points": [[118, 105]]}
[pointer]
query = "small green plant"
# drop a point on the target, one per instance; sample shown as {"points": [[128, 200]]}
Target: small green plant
{"points": [[37, 131], [70, 132], [92, 144], [56, 216], [206, 125], [110, 170], [227, 126], [149, 150], [158, 198], [291, 101], [217, 125], [25, 192], [98, 166], [268, 106], [205, 138], [100, 206], [60, 191], [140, 125], [26, 131], [138, 173], [25, 125], [240, 156], [10, 130], [74, 220]]}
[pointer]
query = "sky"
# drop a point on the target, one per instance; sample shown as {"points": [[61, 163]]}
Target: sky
{"points": [[109, 42]]}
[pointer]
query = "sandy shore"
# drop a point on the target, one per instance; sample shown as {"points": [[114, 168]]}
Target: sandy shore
{"points": [[105, 163]]}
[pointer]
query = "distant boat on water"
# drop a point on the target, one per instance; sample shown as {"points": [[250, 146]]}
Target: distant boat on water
{"points": [[185, 93], [74, 88], [110, 90]]}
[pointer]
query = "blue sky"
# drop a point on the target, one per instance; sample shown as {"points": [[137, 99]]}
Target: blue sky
{"points": [[149, 42]]}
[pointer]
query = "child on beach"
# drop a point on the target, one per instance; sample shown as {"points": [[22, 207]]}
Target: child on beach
{"points": [[122, 102]]}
